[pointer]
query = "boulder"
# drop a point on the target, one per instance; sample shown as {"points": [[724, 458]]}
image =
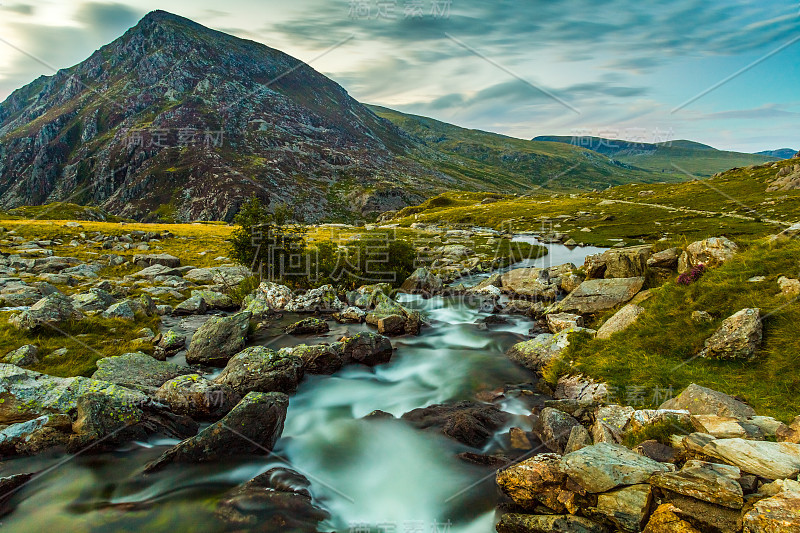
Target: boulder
{"points": [[578, 438], [323, 299], [9, 486], [308, 326], [666, 519], [643, 418], [628, 262], [215, 300], [195, 305], [277, 500], [389, 316], [225, 276], [529, 283], [170, 343], [602, 467], [323, 359], [527, 523], [51, 310], [146, 260], [703, 515], [665, 259], [196, 397], [610, 422], [710, 252], [252, 427], [778, 513], [580, 389], [771, 460], [268, 297], [122, 310], [560, 321], [722, 427], [709, 482], [23, 356], [350, 315], [218, 339], [657, 451], [137, 371], [790, 433], [34, 436], [422, 281], [702, 401], [155, 271], [620, 321], [739, 337], [533, 482], [94, 300], [259, 369], [556, 427], [628, 508], [369, 349], [539, 351], [594, 266], [596, 295], [470, 423]]}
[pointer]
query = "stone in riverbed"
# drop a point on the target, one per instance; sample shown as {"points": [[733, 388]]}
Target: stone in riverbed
{"points": [[526, 523], [533, 482], [137, 371], [308, 326], [709, 482], [9, 486], [252, 427], [771, 460], [259, 369], [267, 298], [323, 299], [195, 305], [422, 281], [218, 339], [739, 337], [350, 315], [277, 500], [195, 396], [470, 423], [604, 466], [557, 322], [596, 295]]}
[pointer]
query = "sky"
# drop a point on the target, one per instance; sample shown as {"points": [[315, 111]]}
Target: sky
{"points": [[724, 73]]}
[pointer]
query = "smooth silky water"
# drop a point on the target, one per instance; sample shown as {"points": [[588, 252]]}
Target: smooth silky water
{"points": [[371, 475]]}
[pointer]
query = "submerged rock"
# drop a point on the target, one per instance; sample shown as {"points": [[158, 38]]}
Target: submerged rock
{"points": [[252, 427]]}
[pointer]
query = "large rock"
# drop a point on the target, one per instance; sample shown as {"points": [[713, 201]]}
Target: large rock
{"points": [[556, 427], [123, 310], [539, 351], [596, 295], [710, 252], [137, 371], [225, 276], [311, 325], [557, 322], [277, 500], [422, 281], [776, 514], [51, 310], [323, 299], [709, 482], [628, 507], [665, 259], [470, 423], [527, 523], [9, 486], [155, 271], [610, 423], [23, 356], [604, 466], [529, 283], [195, 305], [534, 481], [580, 389], [367, 348], [739, 337], [771, 460], [627, 262], [622, 320], [391, 318], [252, 427], [146, 260], [268, 297], [34, 436], [667, 519], [94, 300], [702, 401], [218, 339], [197, 397], [216, 300], [260, 369]]}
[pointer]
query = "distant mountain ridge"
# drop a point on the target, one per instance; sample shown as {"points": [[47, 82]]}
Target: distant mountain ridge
{"points": [[780, 153]]}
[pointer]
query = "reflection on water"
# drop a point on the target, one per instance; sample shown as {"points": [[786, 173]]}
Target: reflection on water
{"points": [[367, 473]]}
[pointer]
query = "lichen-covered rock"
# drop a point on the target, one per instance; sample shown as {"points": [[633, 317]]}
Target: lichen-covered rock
{"points": [[556, 427], [710, 252], [581, 389], [771, 460], [195, 305], [322, 299], [709, 482], [308, 326], [252, 427], [170, 343], [137, 371], [225, 276], [122, 310], [604, 466], [260, 369], [422, 281], [596, 295], [533, 482], [703, 401], [528, 523], [539, 351], [94, 300], [557, 322], [215, 300], [277, 500], [350, 315], [146, 260], [218, 339], [323, 359], [197, 397], [52, 310], [666, 519], [529, 283], [391, 318], [665, 259], [23, 356], [369, 349], [620, 321], [739, 337], [610, 422], [34, 436], [628, 262], [628, 507]]}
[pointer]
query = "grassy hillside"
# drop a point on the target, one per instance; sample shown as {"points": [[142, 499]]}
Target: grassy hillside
{"points": [[662, 158], [506, 164], [734, 203]]}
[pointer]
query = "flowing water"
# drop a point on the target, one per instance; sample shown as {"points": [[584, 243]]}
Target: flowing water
{"points": [[371, 475]]}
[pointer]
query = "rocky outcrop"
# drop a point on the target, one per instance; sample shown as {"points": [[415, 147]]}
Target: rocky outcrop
{"points": [[626, 262], [739, 337], [252, 427], [217, 340]]}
